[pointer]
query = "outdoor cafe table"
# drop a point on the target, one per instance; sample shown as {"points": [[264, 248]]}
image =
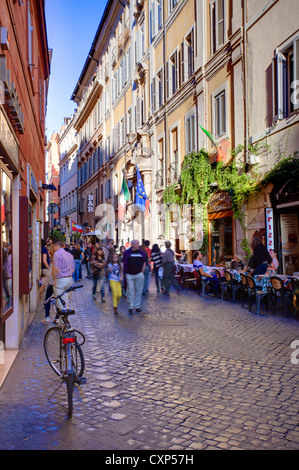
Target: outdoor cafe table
{"points": [[263, 280], [209, 269]]}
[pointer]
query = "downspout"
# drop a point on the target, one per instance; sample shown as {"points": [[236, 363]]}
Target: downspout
{"points": [[244, 5]]}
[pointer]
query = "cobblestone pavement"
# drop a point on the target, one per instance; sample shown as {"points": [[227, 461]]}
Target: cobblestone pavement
{"points": [[187, 373]]}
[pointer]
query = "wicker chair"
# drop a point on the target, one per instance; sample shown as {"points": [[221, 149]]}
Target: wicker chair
{"points": [[244, 290], [278, 290], [231, 284], [220, 282], [257, 294], [203, 283], [295, 289], [187, 278]]}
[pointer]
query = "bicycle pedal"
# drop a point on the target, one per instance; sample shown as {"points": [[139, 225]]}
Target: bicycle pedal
{"points": [[81, 380]]}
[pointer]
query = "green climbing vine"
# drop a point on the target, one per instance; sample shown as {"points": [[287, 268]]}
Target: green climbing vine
{"points": [[198, 174]]}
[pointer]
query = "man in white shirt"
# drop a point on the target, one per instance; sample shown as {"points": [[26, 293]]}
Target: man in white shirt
{"points": [[197, 264]]}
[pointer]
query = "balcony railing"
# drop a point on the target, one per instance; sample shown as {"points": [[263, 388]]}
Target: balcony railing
{"points": [[159, 180], [173, 174]]}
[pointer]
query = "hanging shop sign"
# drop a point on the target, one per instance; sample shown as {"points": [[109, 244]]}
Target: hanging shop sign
{"points": [[269, 228], [220, 201], [90, 203], [9, 142]]}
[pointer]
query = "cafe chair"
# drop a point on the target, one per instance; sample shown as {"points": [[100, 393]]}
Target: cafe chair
{"points": [[231, 284], [221, 281], [278, 290], [187, 279], [178, 274], [295, 289], [203, 282], [256, 293], [244, 289]]}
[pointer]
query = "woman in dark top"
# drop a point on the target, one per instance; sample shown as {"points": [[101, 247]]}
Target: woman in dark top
{"points": [[260, 258], [157, 256]]}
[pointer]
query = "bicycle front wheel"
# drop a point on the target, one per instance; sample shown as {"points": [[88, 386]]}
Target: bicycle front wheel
{"points": [[53, 350]]}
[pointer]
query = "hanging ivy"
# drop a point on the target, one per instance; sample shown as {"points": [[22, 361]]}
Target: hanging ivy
{"points": [[198, 174], [287, 167]]}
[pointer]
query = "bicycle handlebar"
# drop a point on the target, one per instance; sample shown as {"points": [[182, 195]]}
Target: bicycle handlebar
{"points": [[69, 289]]}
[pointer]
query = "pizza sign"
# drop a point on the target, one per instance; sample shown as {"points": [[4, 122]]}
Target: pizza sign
{"points": [[269, 228]]}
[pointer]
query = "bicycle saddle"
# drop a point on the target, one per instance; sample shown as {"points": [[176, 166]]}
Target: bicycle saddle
{"points": [[65, 312]]}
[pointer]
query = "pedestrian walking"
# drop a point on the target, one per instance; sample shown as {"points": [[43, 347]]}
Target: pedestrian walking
{"points": [[134, 266], [108, 258], [87, 259], [78, 258], [124, 280], [63, 268], [169, 270], [49, 290], [98, 272], [46, 269], [116, 276], [156, 257], [147, 271]]}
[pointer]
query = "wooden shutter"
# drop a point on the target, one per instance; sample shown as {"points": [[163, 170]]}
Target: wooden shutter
{"points": [[220, 22], [167, 79], [279, 86], [295, 89], [181, 62], [24, 287]]}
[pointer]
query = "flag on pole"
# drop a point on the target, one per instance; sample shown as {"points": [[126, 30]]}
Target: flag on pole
{"points": [[210, 136], [76, 227], [123, 198], [141, 199], [220, 153]]}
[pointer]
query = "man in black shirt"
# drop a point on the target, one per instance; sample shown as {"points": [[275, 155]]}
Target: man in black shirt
{"points": [[134, 265]]}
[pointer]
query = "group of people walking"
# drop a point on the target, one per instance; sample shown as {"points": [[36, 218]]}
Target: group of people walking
{"points": [[127, 271]]}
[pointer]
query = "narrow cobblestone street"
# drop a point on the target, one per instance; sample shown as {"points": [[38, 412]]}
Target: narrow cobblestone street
{"points": [[186, 373]]}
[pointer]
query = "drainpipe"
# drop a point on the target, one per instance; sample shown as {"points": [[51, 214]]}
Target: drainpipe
{"points": [[244, 5]]}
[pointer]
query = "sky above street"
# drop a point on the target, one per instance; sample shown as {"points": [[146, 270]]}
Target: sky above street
{"points": [[71, 27]]}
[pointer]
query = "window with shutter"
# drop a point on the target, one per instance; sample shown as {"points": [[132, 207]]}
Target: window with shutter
{"points": [[190, 141], [220, 114], [154, 101], [295, 77], [182, 66], [167, 79], [285, 81], [138, 112], [220, 22], [160, 88], [217, 24], [173, 73], [190, 52]]}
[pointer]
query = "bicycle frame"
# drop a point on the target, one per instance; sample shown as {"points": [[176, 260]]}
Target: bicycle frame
{"points": [[69, 355]]}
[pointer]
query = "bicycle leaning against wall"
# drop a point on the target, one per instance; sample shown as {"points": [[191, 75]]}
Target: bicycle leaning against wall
{"points": [[62, 345]]}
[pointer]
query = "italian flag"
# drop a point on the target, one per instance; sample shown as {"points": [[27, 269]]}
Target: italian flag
{"points": [[209, 135], [76, 227], [123, 198], [220, 154]]}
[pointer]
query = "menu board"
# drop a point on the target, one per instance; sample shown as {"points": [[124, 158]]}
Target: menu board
{"points": [[289, 242]]}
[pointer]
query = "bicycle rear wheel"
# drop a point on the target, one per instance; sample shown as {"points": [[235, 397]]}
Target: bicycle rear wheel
{"points": [[78, 362], [70, 390], [54, 352]]}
